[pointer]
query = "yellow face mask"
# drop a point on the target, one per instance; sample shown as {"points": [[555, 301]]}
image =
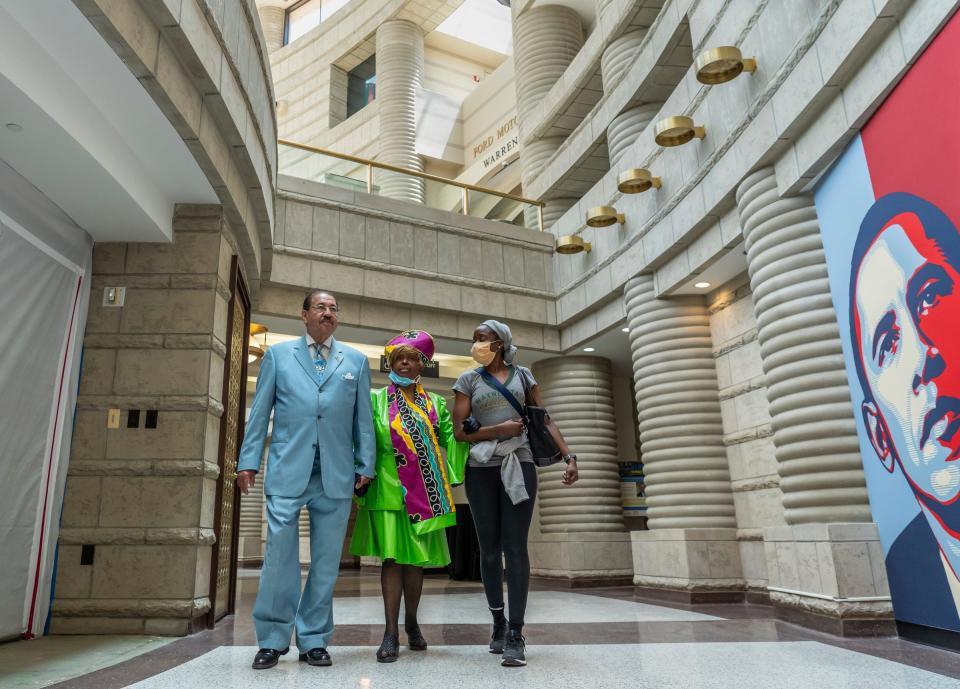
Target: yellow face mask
{"points": [[483, 353]]}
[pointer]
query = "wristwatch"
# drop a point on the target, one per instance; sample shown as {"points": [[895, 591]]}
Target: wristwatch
{"points": [[567, 458]]}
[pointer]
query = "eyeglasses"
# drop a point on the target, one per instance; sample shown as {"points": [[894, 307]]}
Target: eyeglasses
{"points": [[320, 308]]}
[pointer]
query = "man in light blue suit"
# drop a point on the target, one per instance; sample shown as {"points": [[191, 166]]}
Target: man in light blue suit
{"points": [[322, 449]]}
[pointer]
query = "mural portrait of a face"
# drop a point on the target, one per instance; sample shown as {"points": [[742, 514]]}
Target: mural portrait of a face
{"points": [[905, 335]]}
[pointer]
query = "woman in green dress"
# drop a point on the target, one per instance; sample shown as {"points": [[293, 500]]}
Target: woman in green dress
{"points": [[403, 515]]}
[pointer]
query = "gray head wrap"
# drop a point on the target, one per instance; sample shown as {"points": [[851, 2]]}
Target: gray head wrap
{"points": [[503, 333]]}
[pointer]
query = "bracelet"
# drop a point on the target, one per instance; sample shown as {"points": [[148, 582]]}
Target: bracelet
{"points": [[570, 457]]}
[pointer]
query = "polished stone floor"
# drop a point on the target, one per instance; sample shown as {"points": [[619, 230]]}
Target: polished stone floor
{"points": [[591, 638]]}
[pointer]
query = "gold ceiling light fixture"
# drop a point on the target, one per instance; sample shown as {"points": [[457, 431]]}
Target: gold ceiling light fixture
{"points": [[676, 131], [604, 216], [637, 180], [572, 244], [255, 349], [723, 64]]}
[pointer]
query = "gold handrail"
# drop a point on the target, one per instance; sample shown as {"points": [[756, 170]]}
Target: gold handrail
{"points": [[416, 173]]}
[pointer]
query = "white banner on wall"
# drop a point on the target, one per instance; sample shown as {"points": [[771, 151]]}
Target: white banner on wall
{"points": [[43, 299]]}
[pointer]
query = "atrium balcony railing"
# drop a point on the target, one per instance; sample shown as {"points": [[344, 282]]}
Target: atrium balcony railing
{"points": [[362, 174]]}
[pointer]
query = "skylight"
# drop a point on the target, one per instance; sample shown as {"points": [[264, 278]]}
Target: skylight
{"points": [[483, 22]]}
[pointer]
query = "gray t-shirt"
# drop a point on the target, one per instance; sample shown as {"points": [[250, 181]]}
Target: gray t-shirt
{"points": [[490, 408]]}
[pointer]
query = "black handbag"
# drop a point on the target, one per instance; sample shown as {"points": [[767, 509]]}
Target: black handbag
{"points": [[542, 445]]}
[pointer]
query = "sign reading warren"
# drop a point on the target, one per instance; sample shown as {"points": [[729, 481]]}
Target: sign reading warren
{"points": [[493, 148]]}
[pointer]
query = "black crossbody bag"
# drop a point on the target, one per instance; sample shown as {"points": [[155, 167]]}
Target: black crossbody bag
{"points": [[542, 445]]}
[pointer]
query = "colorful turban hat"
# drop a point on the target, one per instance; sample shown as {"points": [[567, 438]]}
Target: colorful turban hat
{"points": [[419, 340]]}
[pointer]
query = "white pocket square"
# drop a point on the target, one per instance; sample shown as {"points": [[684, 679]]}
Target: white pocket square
{"points": [[348, 376]]}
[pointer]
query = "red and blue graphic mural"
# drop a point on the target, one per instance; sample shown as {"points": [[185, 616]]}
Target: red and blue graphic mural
{"points": [[889, 213]]}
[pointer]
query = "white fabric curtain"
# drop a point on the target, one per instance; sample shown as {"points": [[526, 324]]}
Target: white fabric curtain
{"points": [[44, 288]]}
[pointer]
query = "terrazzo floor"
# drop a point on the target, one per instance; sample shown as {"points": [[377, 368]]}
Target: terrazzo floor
{"points": [[46, 661], [585, 638], [543, 607], [790, 665]]}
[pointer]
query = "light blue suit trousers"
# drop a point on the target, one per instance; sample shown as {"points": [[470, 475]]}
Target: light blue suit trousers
{"points": [[280, 606], [322, 436]]}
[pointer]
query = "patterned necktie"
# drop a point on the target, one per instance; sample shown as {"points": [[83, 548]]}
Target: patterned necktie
{"points": [[319, 362]]}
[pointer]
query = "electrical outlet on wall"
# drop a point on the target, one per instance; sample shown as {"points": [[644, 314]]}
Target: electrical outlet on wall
{"points": [[114, 296]]}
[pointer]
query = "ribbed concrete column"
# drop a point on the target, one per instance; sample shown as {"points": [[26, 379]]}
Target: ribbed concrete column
{"points": [[578, 391], [681, 434], [399, 75], [545, 41], [553, 209], [624, 129], [535, 155], [272, 20], [618, 57], [815, 434], [602, 6]]}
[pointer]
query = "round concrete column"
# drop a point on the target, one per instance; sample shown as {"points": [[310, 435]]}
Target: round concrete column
{"points": [[602, 6], [545, 41], [578, 391], [272, 20], [535, 155], [624, 129], [533, 158], [686, 474], [618, 56], [552, 210], [814, 432], [399, 75]]}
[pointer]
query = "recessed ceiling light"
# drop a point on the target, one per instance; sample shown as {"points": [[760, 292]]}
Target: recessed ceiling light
{"points": [[14, 127], [625, 330], [589, 349], [702, 285]]}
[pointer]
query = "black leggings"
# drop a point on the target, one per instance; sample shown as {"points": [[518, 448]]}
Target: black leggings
{"points": [[502, 529]]}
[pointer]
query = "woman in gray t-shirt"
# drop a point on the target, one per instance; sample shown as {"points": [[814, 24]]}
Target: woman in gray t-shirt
{"points": [[501, 480]]}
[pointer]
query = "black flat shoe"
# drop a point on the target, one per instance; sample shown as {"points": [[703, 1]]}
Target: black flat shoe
{"points": [[415, 640], [498, 636], [317, 656], [513, 650], [389, 649], [266, 658]]}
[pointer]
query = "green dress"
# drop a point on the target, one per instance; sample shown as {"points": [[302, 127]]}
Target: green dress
{"points": [[382, 528]]}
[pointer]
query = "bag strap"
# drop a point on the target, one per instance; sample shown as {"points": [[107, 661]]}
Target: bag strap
{"points": [[502, 389]]}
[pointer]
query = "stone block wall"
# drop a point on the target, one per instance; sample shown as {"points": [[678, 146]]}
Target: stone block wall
{"points": [[137, 527], [844, 564], [746, 425], [396, 265]]}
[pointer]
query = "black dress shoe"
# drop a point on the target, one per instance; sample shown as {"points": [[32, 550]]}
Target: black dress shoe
{"points": [[415, 640], [317, 656], [389, 649], [266, 658]]}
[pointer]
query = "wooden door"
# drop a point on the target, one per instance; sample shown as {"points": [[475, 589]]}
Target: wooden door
{"points": [[223, 567]]}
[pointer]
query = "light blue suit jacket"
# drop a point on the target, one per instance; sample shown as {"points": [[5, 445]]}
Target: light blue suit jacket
{"points": [[331, 413]]}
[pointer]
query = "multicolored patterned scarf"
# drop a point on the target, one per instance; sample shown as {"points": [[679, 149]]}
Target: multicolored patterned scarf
{"points": [[420, 466]]}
